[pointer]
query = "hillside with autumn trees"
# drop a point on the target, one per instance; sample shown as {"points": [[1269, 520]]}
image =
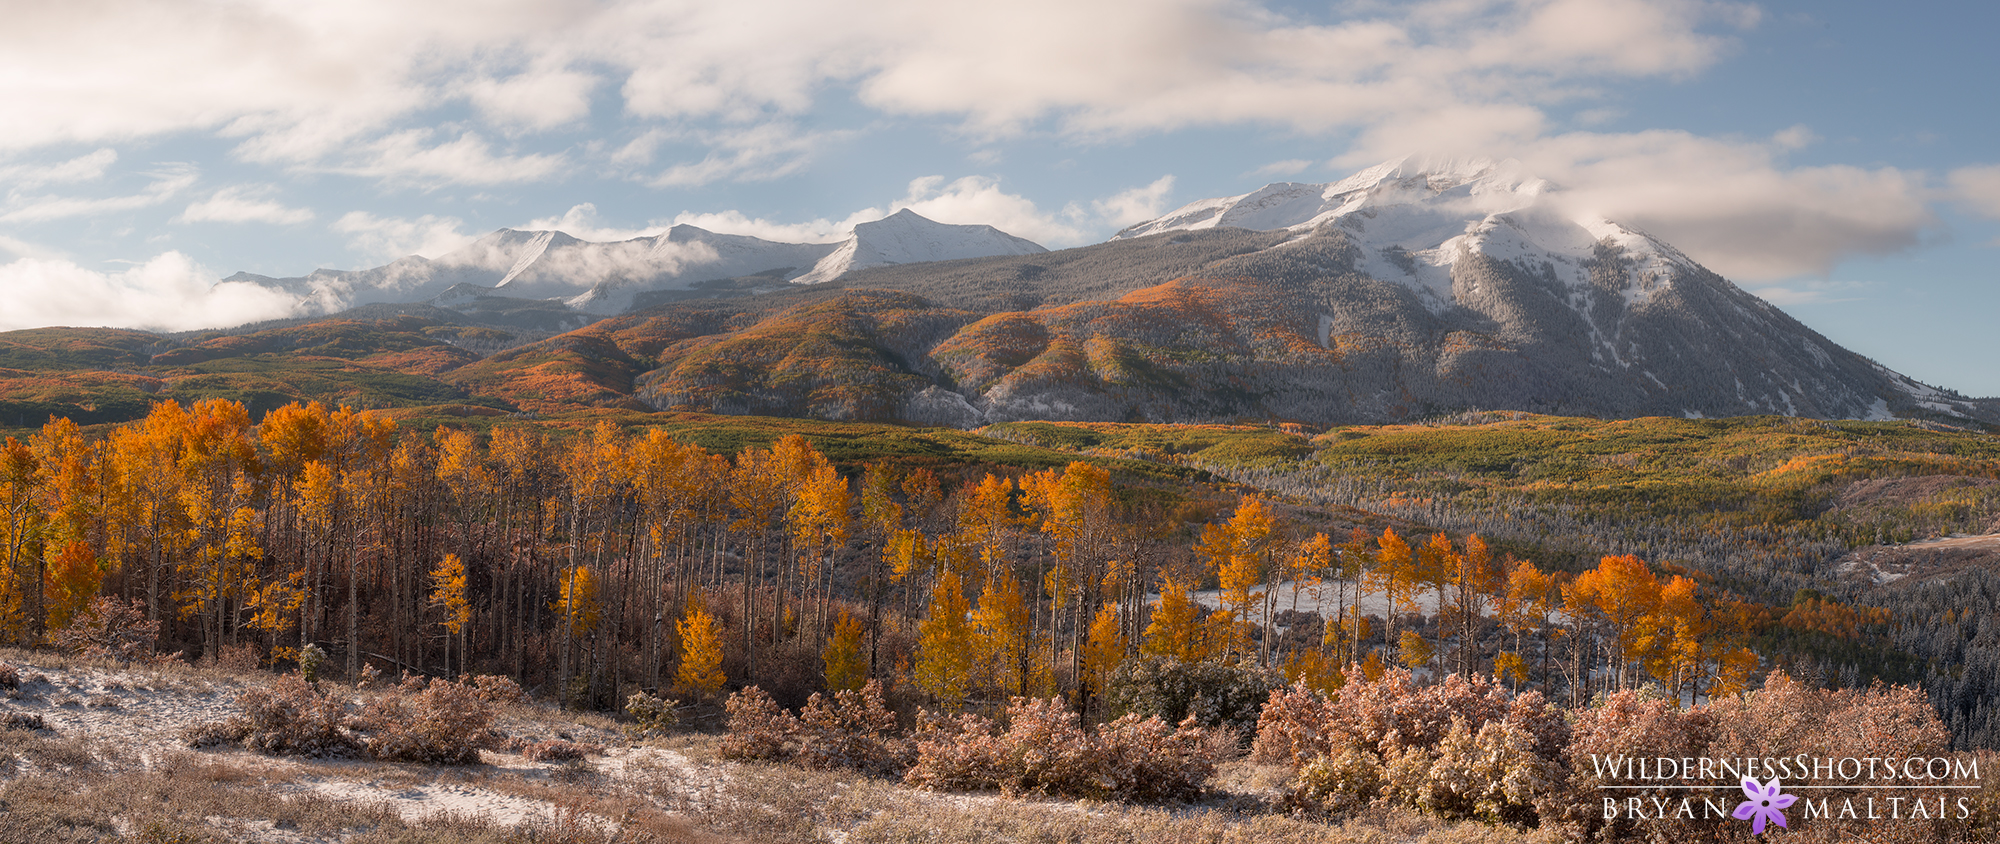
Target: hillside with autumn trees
{"points": [[692, 555]]}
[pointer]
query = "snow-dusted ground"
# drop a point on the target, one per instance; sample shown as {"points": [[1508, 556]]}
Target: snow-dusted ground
{"points": [[132, 718], [1327, 600]]}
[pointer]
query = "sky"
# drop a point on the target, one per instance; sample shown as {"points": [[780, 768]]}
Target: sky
{"points": [[1837, 158]]}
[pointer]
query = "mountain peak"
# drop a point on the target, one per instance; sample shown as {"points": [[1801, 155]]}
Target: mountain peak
{"points": [[907, 237]]}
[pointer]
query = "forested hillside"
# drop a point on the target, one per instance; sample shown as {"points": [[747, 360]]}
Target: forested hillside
{"points": [[687, 554]]}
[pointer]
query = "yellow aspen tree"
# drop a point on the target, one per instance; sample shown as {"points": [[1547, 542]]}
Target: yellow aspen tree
{"points": [[944, 643], [1308, 566], [1315, 668], [988, 519], [1001, 624], [448, 592], [819, 522], [1523, 606], [219, 471], [1354, 573], [1509, 664], [700, 674], [1620, 592], [1104, 649], [1475, 579], [846, 665], [1735, 670], [1415, 651], [20, 544], [1393, 575], [1437, 562], [70, 498], [576, 601], [1674, 632], [1175, 631]]}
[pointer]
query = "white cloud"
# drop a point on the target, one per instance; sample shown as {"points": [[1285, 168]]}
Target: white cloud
{"points": [[84, 168], [168, 293], [581, 222], [410, 157], [1977, 189], [167, 183], [543, 98], [1288, 167], [302, 82], [244, 205], [1732, 205], [975, 200], [23, 249], [819, 230], [1136, 205], [757, 153], [389, 238]]}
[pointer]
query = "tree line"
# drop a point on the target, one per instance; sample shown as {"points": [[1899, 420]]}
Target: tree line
{"points": [[592, 562]]}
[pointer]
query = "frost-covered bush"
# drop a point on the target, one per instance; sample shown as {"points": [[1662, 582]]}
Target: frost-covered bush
{"points": [[290, 717], [1494, 775], [494, 688], [1338, 784], [855, 730], [1145, 760], [1212, 693], [758, 729], [557, 750], [1045, 750], [109, 628], [1464, 747], [439, 723]]}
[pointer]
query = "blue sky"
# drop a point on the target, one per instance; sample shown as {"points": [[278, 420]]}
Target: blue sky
{"points": [[1837, 158]]}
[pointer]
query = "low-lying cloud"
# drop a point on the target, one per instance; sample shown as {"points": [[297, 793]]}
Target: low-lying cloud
{"points": [[167, 293]]}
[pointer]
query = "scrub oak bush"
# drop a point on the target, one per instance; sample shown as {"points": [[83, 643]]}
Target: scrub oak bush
{"points": [[855, 730], [1041, 747], [109, 628], [290, 717], [1044, 749], [439, 723], [1465, 748]]}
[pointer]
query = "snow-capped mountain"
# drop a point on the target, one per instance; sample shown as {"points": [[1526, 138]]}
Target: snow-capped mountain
{"points": [[603, 278], [1415, 219], [594, 277], [1485, 242], [907, 237]]}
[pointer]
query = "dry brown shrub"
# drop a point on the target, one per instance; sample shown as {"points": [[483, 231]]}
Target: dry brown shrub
{"points": [[758, 728], [1045, 750], [855, 731], [293, 718], [495, 688], [438, 723], [557, 750], [110, 629]]}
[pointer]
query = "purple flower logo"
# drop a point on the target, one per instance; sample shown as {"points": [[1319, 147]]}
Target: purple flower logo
{"points": [[1763, 805]]}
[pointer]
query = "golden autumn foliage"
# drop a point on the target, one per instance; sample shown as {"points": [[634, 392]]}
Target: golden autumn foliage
{"points": [[700, 673], [945, 643], [577, 600], [846, 666]]}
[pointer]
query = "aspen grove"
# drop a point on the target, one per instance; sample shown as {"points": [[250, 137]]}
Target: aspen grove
{"points": [[587, 564]]}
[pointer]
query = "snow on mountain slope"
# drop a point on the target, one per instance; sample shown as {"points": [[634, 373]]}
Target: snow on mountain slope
{"points": [[593, 277], [1415, 219], [906, 237]]}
